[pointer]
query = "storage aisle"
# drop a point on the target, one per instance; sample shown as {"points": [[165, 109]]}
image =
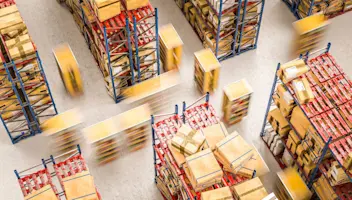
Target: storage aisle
{"points": [[132, 176]]}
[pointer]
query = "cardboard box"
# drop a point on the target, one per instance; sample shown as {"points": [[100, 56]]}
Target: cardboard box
{"points": [[299, 121], [309, 168], [287, 158], [135, 4], [188, 141], [20, 40], [233, 151], [22, 50], [278, 122], [204, 170], [214, 134], [291, 145], [179, 158], [348, 162], [292, 70], [257, 163], [217, 194], [106, 9], [249, 190], [302, 90]]}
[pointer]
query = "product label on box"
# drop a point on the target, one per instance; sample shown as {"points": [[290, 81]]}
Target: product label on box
{"points": [[291, 72], [300, 86], [288, 97]]}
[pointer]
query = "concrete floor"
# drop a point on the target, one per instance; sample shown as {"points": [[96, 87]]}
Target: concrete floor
{"points": [[131, 176]]}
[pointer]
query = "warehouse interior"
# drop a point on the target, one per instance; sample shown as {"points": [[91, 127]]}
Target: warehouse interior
{"points": [[132, 175]]}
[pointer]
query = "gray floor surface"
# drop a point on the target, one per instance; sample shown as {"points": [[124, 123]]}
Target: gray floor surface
{"points": [[131, 176]]}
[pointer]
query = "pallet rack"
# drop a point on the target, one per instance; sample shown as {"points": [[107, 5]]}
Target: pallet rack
{"points": [[331, 84], [197, 115], [126, 47], [26, 99], [304, 8], [229, 28], [70, 169]]}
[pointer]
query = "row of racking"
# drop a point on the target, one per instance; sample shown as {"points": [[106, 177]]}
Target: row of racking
{"points": [[331, 8], [229, 28], [172, 176], [316, 132], [125, 46], [72, 173], [25, 98]]}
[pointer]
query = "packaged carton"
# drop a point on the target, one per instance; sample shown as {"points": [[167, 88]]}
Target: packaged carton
{"points": [[292, 70], [188, 141], [302, 90], [249, 190], [217, 194], [106, 9]]}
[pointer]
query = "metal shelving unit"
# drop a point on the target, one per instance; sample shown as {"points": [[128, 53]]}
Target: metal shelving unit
{"points": [[230, 30], [36, 183], [25, 99], [197, 115], [296, 6], [336, 144], [126, 46]]}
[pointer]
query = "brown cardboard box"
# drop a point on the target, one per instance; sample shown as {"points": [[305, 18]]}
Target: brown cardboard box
{"points": [[22, 50], [106, 9], [309, 168], [188, 141], [204, 170], [292, 70], [217, 194], [233, 151], [135, 4], [20, 40], [302, 90], [249, 190], [278, 122], [255, 163], [214, 134], [291, 145], [299, 121], [348, 162], [299, 150], [179, 158]]}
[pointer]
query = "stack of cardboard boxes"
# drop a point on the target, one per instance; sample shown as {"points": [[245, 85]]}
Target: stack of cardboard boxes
{"points": [[221, 193], [323, 189], [206, 70], [236, 100], [304, 6], [309, 31]]}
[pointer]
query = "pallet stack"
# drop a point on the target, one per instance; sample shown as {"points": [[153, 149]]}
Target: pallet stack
{"points": [[26, 99], [206, 71], [310, 32], [235, 105], [121, 38], [310, 97], [229, 31], [197, 150], [124, 132]]}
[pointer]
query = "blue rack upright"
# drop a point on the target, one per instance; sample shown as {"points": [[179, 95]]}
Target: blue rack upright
{"points": [[229, 28], [332, 143]]}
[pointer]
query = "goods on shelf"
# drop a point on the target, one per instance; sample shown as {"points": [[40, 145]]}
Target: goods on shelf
{"points": [[72, 172], [309, 31], [291, 186], [227, 28], [221, 193], [68, 68], [323, 189], [251, 189], [320, 136], [63, 130], [237, 96], [26, 99], [170, 48], [232, 152], [278, 122], [206, 70], [291, 70], [122, 41], [200, 172], [125, 131]]}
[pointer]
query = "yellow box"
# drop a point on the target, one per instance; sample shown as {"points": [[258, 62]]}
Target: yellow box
{"points": [[171, 45], [135, 4], [299, 121], [292, 70], [278, 122], [106, 9], [302, 90]]}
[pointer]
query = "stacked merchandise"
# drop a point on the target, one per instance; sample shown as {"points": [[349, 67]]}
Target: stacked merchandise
{"points": [[71, 170], [126, 131], [25, 95], [170, 48], [316, 94], [206, 70], [309, 31], [229, 31], [235, 105], [329, 8], [120, 37], [63, 130], [199, 153]]}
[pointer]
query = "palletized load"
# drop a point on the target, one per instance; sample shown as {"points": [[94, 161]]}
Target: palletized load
{"points": [[233, 151], [11, 23], [249, 190], [203, 170], [188, 141]]}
